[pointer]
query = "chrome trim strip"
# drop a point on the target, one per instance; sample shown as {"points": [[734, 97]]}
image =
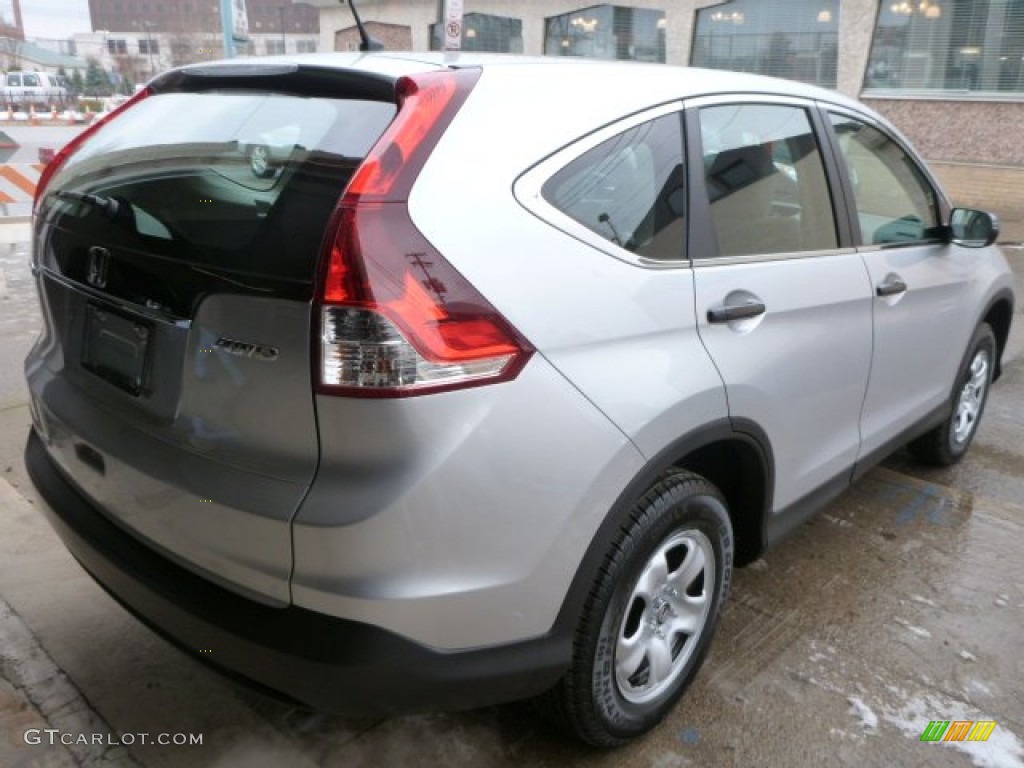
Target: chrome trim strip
{"points": [[136, 309], [719, 99], [757, 258]]}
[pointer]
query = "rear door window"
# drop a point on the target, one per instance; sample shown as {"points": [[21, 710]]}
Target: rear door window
{"points": [[14, 80], [629, 189], [233, 181], [765, 180]]}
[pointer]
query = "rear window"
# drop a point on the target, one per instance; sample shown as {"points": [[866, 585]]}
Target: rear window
{"points": [[232, 180]]}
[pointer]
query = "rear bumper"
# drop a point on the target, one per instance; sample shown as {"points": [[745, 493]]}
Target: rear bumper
{"points": [[321, 661]]}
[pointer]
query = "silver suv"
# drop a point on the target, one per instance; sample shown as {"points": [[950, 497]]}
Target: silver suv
{"points": [[480, 387]]}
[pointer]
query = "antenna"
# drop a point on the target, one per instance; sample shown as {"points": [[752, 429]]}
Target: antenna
{"points": [[367, 43]]}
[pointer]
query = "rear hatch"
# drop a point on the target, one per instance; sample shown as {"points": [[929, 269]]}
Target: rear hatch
{"points": [[176, 250]]}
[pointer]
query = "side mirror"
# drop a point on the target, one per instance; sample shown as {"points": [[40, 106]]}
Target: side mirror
{"points": [[972, 228]]}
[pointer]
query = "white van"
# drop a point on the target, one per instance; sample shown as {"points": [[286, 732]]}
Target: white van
{"points": [[39, 89]]}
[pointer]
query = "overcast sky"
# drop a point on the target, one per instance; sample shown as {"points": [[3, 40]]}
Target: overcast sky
{"points": [[54, 18]]}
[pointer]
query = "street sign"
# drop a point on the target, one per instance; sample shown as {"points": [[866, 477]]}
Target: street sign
{"points": [[240, 19], [452, 25], [234, 25]]}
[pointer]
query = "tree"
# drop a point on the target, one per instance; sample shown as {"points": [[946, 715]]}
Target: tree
{"points": [[77, 82], [97, 83]]}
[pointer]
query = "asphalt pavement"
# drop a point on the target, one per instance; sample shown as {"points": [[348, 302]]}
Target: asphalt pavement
{"points": [[901, 604]]}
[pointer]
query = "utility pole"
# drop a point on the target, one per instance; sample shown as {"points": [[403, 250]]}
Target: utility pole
{"points": [[149, 46], [284, 46], [228, 27]]}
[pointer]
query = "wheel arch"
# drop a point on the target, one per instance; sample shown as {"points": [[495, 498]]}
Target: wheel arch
{"points": [[733, 455], [999, 315], [740, 466]]}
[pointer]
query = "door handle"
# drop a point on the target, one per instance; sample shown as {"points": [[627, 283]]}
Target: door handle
{"points": [[726, 314], [892, 285]]}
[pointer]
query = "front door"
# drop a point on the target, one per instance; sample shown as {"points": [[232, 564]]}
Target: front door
{"points": [[921, 316]]}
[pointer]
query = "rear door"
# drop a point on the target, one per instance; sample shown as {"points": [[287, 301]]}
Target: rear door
{"points": [[783, 304], [176, 253]]}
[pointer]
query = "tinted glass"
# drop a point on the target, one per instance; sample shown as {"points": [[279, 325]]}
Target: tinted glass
{"points": [[948, 45], [484, 32], [629, 189], [795, 39], [607, 32], [765, 180], [894, 202], [237, 181]]}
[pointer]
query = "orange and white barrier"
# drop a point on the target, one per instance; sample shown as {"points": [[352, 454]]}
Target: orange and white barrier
{"points": [[18, 182]]}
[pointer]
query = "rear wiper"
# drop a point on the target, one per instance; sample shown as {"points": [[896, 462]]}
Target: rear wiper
{"points": [[114, 209]]}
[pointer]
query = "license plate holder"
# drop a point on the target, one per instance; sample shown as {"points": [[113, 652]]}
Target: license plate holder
{"points": [[116, 346]]}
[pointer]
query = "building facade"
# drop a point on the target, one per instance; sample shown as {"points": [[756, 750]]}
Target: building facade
{"points": [[948, 73], [140, 54], [11, 25], [200, 16], [135, 39]]}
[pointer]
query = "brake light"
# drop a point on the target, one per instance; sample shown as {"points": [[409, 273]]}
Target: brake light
{"points": [[72, 146], [397, 319]]}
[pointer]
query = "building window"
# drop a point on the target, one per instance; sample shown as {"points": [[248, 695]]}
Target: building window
{"points": [[798, 39], [275, 47], [305, 46], [948, 45], [607, 32], [149, 46], [484, 32], [117, 47]]}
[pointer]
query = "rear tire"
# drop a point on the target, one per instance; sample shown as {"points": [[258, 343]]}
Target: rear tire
{"points": [[649, 618], [261, 162], [947, 443]]}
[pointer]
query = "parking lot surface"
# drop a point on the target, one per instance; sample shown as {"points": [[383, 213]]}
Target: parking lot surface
{"points": [[902, 604]]}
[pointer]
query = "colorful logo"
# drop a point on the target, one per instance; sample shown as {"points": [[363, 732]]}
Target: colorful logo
{"points": [[958, 730]]}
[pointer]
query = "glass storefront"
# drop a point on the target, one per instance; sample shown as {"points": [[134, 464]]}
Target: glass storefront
{"points": [[798, 39], [952, 46], [607, 32]]}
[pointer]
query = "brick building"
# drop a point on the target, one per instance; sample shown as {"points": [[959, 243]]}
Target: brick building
{"points": [[11, 26]]}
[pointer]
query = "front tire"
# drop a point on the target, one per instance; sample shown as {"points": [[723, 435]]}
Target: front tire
{"points": [[946, 444], [648, 621]]}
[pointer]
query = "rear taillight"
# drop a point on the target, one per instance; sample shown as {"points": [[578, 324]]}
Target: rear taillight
{"points": [[396, 318], [69, 149]]}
